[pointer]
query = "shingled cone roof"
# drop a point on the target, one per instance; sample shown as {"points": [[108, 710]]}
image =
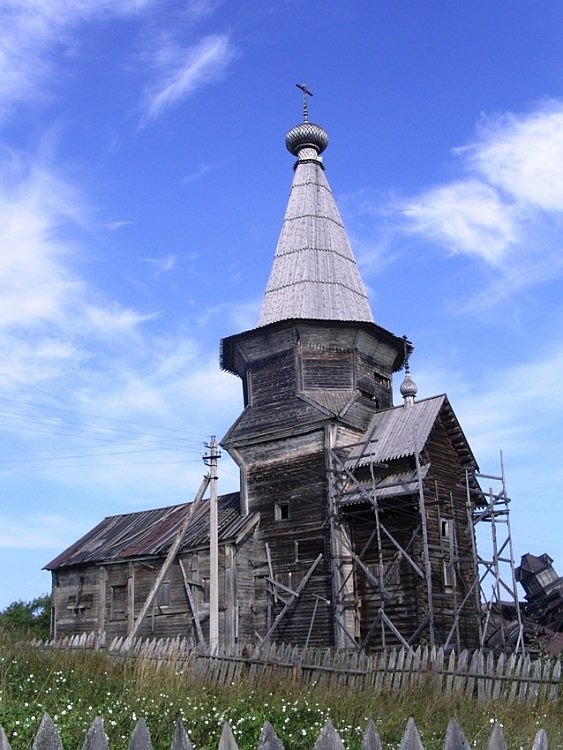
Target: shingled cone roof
{"points": [[314, 274]]}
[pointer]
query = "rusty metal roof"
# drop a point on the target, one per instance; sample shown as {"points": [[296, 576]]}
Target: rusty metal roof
{"points": [[149, 533], [403, 431]]}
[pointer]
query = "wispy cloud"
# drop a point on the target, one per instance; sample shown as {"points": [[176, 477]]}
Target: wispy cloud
{"points": [[161, 265], [31, 30], [182, 71], [507, 209]]}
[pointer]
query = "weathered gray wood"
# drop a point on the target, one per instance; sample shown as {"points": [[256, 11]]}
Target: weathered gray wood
{"points": [[4, 744], [540, 741], [556, 677], [370, 740], [172, 552], [96, 738], [411, 738], [328, 739], [180, 740], [268, 739], [227, 741], [455, 739], [141, 737], [497, 741], [47, 737]]}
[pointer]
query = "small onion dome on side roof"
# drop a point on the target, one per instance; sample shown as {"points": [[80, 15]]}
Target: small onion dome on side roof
{"points": [[408, 387]]}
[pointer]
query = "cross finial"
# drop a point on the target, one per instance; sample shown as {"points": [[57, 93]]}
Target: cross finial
{"points": [[306, 93]]}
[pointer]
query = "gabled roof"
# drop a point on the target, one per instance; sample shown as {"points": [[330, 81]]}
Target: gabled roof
{"points": [[314, 274], [150, 533], [402, 431]]}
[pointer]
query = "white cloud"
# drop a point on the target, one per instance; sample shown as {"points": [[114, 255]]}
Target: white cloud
{"points": [[31, 30], [508, 209], [182, 71], [468, 217], [522, 155]]}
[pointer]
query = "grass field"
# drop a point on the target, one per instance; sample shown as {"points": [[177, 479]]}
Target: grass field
{"points": [[75, 687]]}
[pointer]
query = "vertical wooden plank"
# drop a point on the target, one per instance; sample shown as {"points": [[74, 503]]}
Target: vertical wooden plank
{"points": [[328, 739], [524, 675], [399, 671], [4, 744], [180, 739], [227, 741], [141, 738], [370, 740], [437, 668], [47, 737], [411, 738], [455, 739], [461, 673], [96, 737], [556, 681], [540, 741], [102, 595], [516, 671], [534, 689], [451, 670], [499, 673], [268, 739], [130, 597], [497, 741]]}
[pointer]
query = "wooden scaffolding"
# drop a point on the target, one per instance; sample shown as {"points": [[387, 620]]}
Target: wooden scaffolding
{"points": [[374, 565]]}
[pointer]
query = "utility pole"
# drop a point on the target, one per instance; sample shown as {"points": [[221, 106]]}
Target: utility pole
{"points": [[211, 461]]}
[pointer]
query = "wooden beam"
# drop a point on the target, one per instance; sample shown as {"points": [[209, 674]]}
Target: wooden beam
{"points": [[173, 551], [191, 602], [295, 596]]}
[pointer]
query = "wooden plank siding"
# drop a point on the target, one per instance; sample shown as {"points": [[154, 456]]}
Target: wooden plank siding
{"points": [[110, 596]]}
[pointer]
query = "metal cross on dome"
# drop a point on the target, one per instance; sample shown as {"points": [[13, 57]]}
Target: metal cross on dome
{"points": [[306, 93]]}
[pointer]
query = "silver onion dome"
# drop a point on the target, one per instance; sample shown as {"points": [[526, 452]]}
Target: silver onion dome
{"points": [[408, 388], [306, 135]]}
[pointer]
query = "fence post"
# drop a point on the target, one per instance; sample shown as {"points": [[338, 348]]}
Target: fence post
{"points": [[141, 737], [411, 738], [455, 739], [4, 744], [268, 739], [328, 739], [540, 742], [227, 741], [497, 741], [180, 741], [371, 739], [96, 737], [47, 737]]}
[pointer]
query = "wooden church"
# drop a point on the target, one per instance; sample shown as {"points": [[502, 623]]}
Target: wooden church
{"points": [[353, 526]]}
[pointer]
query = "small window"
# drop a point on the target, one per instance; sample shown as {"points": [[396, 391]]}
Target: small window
{"points": [[281, 511], [118, 601], [446, 525], [164, 594]]}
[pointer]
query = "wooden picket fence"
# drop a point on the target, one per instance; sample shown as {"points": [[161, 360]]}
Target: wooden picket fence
{"points": [[47, 738], [511, 678]]}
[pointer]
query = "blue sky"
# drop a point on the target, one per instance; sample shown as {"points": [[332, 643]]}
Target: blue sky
{"points": [[143, 181]]}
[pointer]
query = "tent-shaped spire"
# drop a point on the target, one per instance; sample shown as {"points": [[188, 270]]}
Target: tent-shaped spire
{"points": [[314, 275]]}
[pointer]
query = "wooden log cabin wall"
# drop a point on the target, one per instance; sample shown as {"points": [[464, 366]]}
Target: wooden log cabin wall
{"points": [[353, 525]]}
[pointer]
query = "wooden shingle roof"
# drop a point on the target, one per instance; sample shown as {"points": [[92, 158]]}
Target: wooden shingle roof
{"points": [[401, 431], [314, 274]]}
